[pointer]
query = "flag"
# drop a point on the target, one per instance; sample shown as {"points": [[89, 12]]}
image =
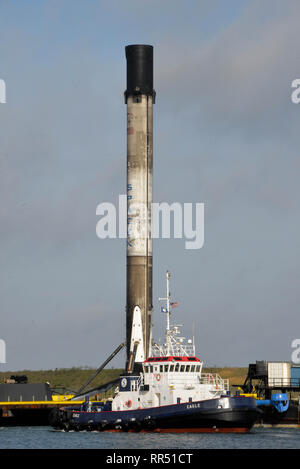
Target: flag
{"points": [[173, 305]]}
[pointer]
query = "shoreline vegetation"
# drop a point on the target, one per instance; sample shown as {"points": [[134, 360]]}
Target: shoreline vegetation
{"points": [[71, 379]]}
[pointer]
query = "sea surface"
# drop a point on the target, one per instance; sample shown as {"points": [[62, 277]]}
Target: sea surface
{"points": [[47, 438]]}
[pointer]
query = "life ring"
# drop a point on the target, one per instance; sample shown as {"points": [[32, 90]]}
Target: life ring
{"points": [[158, 376], [128, 403]]}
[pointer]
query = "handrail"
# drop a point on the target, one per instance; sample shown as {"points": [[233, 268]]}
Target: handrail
{"points": [[286, 382], [180, 378], [216, 380]]}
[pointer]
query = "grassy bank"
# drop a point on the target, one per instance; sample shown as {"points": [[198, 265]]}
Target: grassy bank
{"points": [[69, 378], [74, 378]]}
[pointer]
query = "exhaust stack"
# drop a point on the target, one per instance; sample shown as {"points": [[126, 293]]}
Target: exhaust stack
{"points": [[139, 98]]}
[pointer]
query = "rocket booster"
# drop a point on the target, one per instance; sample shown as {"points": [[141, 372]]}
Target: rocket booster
{"points": [[139, 98]]}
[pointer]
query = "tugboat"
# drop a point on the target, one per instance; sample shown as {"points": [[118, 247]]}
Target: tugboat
{"points": [[171, 393]]}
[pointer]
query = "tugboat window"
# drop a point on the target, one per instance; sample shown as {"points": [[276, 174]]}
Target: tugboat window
{"points": [[166, 368], [187, 368], [182, 368], [177, 367], [171, 368]]}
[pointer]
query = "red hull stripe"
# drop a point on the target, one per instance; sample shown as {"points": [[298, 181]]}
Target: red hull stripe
{"points": [[186, 430]]}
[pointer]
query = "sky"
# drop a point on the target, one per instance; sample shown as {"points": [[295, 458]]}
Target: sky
{"points": [[225, 134]]}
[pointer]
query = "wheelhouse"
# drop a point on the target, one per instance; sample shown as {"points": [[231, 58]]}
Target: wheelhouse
{"points": [[172, 364]]}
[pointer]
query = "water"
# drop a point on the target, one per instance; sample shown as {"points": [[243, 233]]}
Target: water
{"points": [[47, 438]]}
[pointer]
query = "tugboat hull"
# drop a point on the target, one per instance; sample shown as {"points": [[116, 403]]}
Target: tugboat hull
{"points": [[226, 414]]}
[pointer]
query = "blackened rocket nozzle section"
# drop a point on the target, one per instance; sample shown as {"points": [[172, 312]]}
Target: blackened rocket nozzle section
{"points": [[139, 70]]}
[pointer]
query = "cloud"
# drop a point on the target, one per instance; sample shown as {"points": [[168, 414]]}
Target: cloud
{"points": [[226, 134], [241, 78]]}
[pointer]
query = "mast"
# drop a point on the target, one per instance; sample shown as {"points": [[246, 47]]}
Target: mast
{"points": [[168, 312], [174, 345]]}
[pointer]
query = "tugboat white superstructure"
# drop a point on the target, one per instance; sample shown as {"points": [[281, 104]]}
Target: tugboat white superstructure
{"points": [[170, 394], [172, 375]]}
